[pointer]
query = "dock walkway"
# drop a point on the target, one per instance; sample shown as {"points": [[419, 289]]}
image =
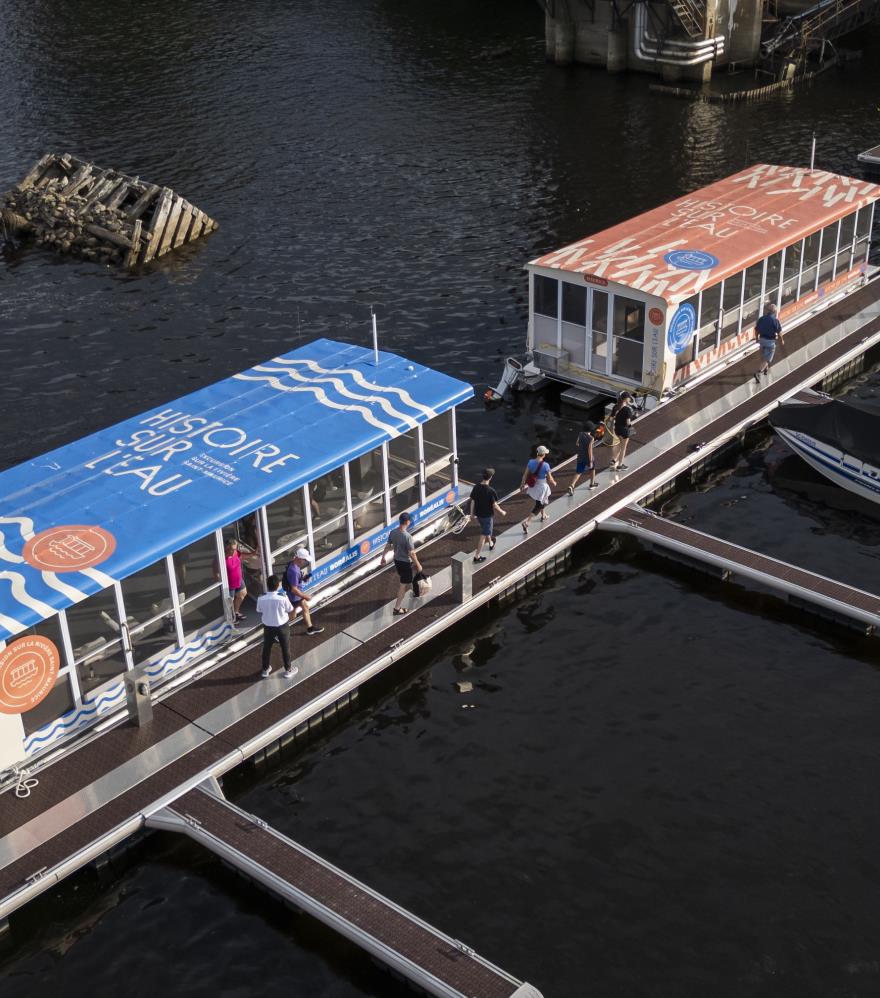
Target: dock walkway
{"points": [[433, 961], [732, 560], [106, 790]]}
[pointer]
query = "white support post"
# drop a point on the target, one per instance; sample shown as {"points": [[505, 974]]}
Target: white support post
{"points": [[349, 506], [175, 598], [307, 509]]}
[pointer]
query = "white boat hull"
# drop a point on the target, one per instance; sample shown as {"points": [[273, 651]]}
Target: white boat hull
{"points": [[848, 472]]}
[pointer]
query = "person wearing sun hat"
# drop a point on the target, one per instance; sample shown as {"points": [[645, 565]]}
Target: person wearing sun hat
{"points": [[536, 481], [293, 581]]}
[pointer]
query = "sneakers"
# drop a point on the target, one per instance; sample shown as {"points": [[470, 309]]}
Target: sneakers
{"points": [[757, 377], [594, 485], [477, 561], [492, 542], [570, 491], [525, 527], [291, 672], [314, 630], [265, 673], [239, 617], [622, 467]]}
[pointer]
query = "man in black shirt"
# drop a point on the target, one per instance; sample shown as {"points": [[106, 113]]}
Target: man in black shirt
{"points": [[585, 460], [483, 504]]}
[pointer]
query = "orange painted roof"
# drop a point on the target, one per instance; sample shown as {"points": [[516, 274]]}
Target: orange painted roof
{"points": [[697, 240]]}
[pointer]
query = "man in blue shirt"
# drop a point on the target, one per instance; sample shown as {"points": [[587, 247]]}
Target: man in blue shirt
{"points": [[768, 330]]}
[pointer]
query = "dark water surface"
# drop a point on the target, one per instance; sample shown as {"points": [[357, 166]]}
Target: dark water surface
{"points": [[660, 790]]}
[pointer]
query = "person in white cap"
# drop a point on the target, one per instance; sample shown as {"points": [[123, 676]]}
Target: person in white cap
{"points": [[293, 581], [536, 481]]}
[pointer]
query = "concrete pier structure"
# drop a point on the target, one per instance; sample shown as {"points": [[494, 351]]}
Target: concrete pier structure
{"points": [[678, 39]]}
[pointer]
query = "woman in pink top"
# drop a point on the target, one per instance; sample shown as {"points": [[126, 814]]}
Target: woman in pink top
{"points": [[236, 578]]}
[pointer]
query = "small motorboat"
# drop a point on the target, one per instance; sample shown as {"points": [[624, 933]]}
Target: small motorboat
{"points": [[840, 438]]}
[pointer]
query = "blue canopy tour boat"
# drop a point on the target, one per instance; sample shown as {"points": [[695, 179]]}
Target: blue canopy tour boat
{"points": [[112, 547]]}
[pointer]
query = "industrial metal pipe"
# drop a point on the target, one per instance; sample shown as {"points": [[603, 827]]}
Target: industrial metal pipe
{"points": [[672, 52]]}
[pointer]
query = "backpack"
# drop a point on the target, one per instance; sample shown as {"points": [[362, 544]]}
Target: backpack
{"points": [[532, 476]]}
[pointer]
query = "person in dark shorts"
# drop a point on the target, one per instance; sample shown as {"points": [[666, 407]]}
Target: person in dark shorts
{"points": [[275, 609], [406, 561], [483, 504], [622, 415], [768, 331], [585, 460], [292, 582]]}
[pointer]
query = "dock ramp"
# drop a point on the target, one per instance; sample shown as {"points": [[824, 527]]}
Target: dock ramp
{"points": [[800, 586], [409, 947]]}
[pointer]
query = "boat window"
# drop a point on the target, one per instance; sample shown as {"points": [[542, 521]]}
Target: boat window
{"points": [[844, 247], [207, 608], [146, 594], [754, 280], [154, 640], [774, 275], [330, 536], [437, 439], [403, 465], [58, 701], [685, 356], [369, 516], [287, 521], [574, 322], [731, 306], [811, 264], [95, 636], [710, 307], [546, 296], [599, 336], [327, 497], [863, 232], [195, 566], [791, 272], [829, 252], [629, 336], [366, 475]]}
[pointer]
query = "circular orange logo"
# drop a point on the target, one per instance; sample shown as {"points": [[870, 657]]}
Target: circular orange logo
{"points": [[28, 670], [655, 316], [450, 497], [69, 549], [366, 547]]}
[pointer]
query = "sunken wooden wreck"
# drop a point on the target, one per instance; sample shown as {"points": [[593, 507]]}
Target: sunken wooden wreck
{"points": [[76, 207]]}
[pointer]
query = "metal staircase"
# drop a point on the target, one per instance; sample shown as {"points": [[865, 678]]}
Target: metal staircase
{"points": [[692, 15]]}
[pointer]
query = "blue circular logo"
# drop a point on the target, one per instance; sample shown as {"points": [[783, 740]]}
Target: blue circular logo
{"points": [[689, 259], [681, 329]]}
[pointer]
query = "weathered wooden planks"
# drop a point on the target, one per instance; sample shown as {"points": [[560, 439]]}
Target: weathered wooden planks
{"points": [[77, 207]]}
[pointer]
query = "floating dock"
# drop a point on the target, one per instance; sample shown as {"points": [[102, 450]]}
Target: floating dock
{"points": [[58, 818], [731, 562], [432, 961]]}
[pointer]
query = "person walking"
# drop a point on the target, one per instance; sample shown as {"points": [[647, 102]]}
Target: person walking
{"points": [[622, 416], [235, 577], [768, 331], [292, 584], [275, 610], [483, 504], [406, 561], [536, 481], [585, 460]]}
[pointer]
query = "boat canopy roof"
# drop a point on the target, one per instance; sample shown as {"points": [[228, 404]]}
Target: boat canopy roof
{"points": [[850, 425], [95, 511], [697, 240]]}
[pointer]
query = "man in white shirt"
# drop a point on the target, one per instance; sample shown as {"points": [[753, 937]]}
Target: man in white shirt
{"points": [[275, 610]]}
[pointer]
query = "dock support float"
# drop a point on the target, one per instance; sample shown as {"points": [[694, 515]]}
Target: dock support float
{"points": [[430, 960]]}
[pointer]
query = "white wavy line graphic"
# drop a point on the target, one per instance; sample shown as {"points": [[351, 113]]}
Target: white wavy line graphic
{"points": [[19, 591], [71, 592], [11, 625], [340, 387], [6, 554], [359, 379], [321, 396], [98, 576], [25, 525]]}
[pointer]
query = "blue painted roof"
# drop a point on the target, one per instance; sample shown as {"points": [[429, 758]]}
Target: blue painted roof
{"points": [[237, 445]]}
